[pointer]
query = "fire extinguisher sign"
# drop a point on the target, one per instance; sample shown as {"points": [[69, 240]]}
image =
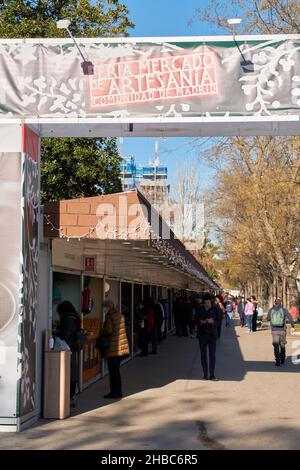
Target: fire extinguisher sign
{"points": [[89, 264]]}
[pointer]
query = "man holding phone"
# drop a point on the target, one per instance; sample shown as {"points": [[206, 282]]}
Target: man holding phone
{"points": [[207, 319]]}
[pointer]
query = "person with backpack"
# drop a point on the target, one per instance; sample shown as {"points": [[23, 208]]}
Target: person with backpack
{"points": [[70, 330], [277, 316]]}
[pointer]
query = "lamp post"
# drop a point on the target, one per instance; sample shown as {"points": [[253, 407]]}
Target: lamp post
{"points": [[87, 66], [247, 65]]}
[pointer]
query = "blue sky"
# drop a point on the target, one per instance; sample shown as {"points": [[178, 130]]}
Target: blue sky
{"points": [[167, 18]]}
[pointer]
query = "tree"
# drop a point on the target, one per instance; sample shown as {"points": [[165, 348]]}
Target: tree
{"points": [[71, 167], [262, 175], [255, 207], [259, 16], [209, 257], [92, 170], [187, 205], [28, 18]]}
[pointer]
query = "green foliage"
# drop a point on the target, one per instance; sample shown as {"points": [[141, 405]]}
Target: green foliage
{"points": [[105, 18], [71, 167], [208, 256], [93, 168]]}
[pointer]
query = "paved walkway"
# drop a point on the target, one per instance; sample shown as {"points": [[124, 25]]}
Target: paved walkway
{"points": [[168, 406]]}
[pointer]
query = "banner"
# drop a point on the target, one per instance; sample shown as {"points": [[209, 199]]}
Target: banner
{"points": [[29, 269], [148, 79]]}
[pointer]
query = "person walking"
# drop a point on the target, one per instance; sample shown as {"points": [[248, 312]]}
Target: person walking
{"points": [[277, 316], [69, 326], [207, 319], [249, 309], [118, 348], [221, 308], [255, 313], [241, 311], [229, 309]]}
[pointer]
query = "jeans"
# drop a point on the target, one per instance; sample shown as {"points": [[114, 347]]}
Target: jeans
{"points": [[208, 342], [229, 316], [242, 319], [249, 321]]}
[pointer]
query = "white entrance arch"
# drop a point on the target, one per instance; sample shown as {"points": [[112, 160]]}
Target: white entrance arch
{"points": [[190, 86]]}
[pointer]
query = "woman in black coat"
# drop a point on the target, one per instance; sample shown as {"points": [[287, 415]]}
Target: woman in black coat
{"points": [[254, 318], [70, 324]]}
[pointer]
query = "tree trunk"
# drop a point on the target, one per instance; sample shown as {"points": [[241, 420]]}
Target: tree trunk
{"points": [[294, 294]]}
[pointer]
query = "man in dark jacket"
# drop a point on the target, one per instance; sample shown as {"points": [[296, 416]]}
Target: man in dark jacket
{"points": [[241, 311], [207, 319]]}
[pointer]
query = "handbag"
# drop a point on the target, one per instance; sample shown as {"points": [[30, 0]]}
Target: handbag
{"points": [[102, 343]]}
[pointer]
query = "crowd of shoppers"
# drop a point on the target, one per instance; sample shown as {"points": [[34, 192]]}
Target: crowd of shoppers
{"points": [[198, 316]]}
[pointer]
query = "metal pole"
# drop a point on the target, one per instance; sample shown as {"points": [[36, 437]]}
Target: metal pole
{"points": [[75, 42]]}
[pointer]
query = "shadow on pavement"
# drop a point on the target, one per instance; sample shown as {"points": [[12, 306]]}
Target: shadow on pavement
{"points": [[179, 359], [232, 366]]}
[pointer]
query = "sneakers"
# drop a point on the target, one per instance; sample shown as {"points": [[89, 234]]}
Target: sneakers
{"points": [[205, 377]]}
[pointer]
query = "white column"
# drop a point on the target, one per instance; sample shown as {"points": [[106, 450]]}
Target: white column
{"points": [[19, 249]]}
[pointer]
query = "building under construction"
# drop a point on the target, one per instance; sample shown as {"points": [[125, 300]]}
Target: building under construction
{"points": [[151, 180]]}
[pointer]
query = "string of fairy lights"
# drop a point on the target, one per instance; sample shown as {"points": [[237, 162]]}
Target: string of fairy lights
{"points": [[114, 234], [160, 244]]}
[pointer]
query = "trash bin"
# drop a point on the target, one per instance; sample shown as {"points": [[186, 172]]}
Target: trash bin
{"points": [[57, 368]]}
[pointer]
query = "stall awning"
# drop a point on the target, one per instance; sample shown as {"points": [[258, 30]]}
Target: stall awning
{"points": [[130, 235]]}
